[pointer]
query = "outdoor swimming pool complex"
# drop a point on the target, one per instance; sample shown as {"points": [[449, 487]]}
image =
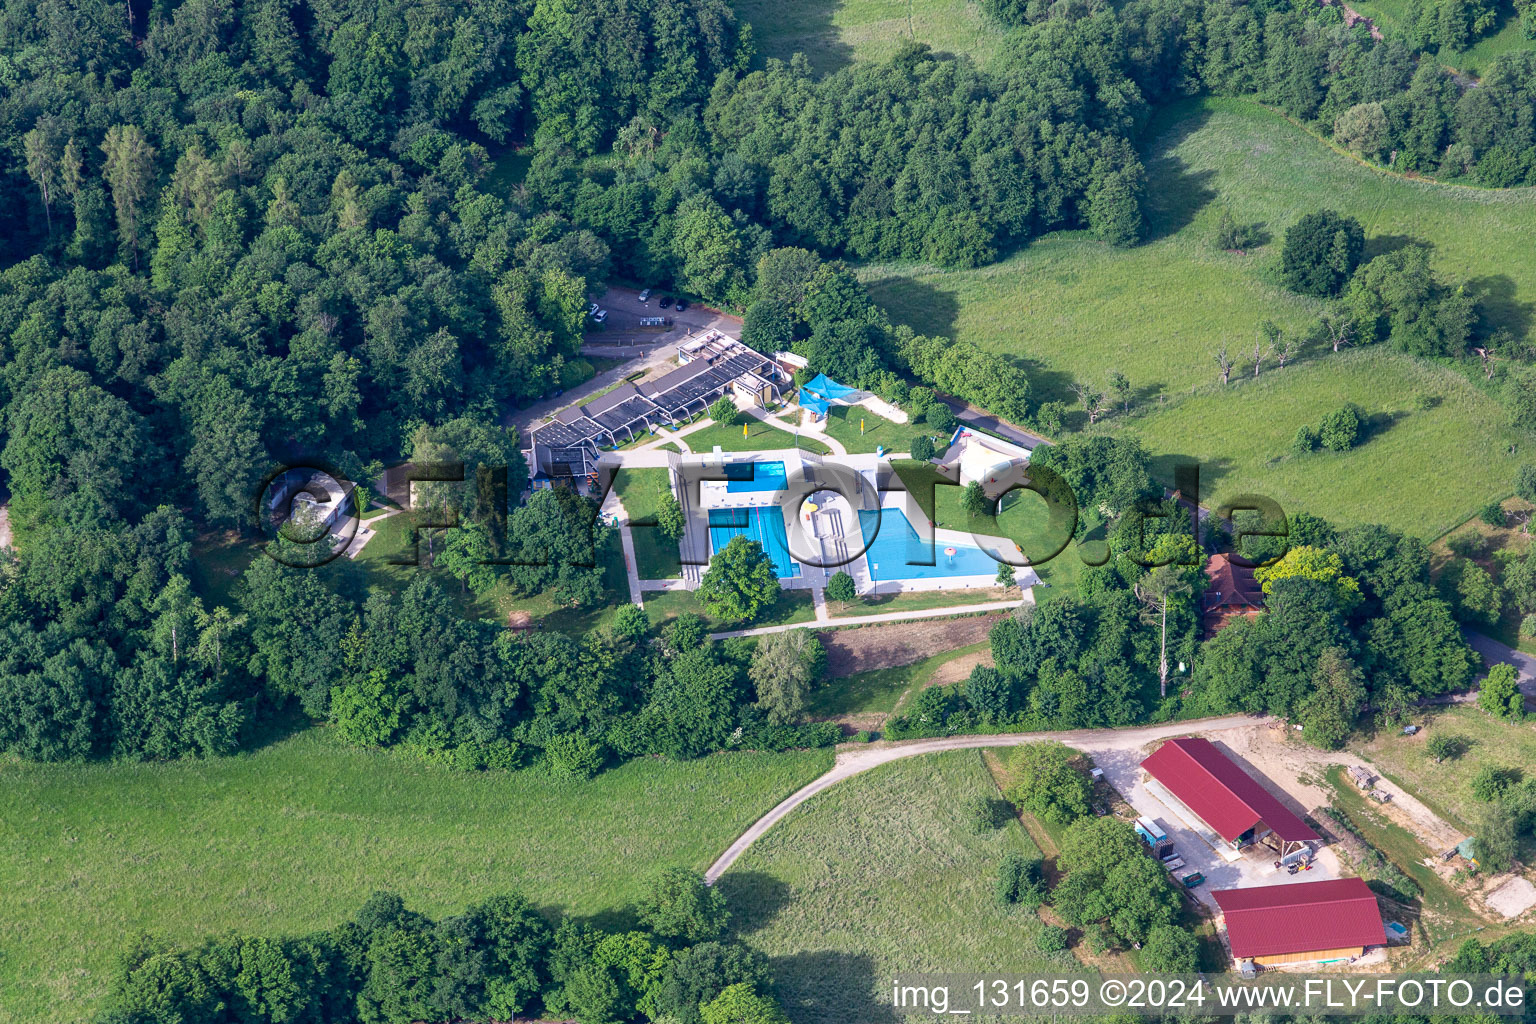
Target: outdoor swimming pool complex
{"points": [[764, 525], [895, 545], [755, 476]]}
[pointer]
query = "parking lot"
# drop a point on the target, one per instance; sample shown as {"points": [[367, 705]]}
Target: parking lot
{"points": [[625, 311], [1123, 772]]}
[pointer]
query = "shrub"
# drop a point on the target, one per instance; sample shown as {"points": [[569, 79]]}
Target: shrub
{"points": [[942, 419], [1528, 626], [841, 588], [980, 816], [1492, 514], [1500, 693], [863, 736], [468, 757], [1019, 882], [1494, 782], [1170, 949], [922, 447], [1051, 939], [1340, 429], [1445, 747], [1304, 441], [502, 755], [572, 756], [1051, 416]]}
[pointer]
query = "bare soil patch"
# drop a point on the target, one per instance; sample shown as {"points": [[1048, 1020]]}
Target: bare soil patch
{"points": [[955, 670], [871, 647]]}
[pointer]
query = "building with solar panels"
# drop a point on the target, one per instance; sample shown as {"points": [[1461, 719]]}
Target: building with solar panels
{"points": [[567, 447]]}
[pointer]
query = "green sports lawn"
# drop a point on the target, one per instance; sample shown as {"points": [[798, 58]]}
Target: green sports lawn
{"points": [[294, 836], [877, 875], [833, 33], [1070, 308]]}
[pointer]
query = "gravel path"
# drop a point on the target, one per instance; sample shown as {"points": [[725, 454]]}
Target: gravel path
{"points": [[862, 759]]}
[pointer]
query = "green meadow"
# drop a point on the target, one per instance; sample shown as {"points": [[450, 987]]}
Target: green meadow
{"points": [[294, 836], [833, 34], [1071, 309], [879, 875]]}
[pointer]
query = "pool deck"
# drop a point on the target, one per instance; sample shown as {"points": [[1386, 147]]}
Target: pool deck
{"points": [[836, 541]]}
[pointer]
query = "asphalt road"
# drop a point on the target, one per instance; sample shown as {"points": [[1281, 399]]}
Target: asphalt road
{"points": [[1495, 653]]}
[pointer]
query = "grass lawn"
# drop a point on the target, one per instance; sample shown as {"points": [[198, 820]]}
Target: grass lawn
{"points": [[791, 606], [881, 874], [1447, 787], [759, 436], [832, 33], [1419, 470], [641, 491], [296, 835], [843, 426], [1023, 519], [916, 600], [879, 690], [1069, 308]]}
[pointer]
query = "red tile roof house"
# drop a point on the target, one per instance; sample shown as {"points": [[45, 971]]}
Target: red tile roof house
{"points": [[1302, 922], [1207, 786], [1230, 592]]}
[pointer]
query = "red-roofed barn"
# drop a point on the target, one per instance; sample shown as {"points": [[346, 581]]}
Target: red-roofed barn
{"points": [[1205, 782], [1302, 922]]}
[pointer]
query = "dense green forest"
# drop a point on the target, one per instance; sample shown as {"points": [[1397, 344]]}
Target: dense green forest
{"points": [[244, 235]]}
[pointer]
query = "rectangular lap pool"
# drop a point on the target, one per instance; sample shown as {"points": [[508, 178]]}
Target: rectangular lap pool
{"points": [[768, 476], [764, 525], [894, 546]]}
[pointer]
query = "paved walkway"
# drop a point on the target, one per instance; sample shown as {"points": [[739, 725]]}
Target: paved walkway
{"points": [[614, 507], [5, 527], [866, 620], [856, 761]]}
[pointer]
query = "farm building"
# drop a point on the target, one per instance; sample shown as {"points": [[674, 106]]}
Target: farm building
{"points": [[1201, 780], [1302, 922]]}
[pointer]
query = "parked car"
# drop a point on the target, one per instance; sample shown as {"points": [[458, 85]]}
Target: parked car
{"points": [[600, 315], [682, 304], [592, 309], [645, 296], [666, 301]]}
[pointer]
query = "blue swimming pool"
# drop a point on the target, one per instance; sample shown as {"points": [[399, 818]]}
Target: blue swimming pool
{"points": [[896, 547], [764, 525], [754, 476]]}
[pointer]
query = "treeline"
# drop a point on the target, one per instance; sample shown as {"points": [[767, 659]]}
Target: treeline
{"points": [[498, 960], [1352, 622]]}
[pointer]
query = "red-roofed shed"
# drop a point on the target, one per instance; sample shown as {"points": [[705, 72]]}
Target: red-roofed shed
{"points": [[1303, 922], [1225, 797]]}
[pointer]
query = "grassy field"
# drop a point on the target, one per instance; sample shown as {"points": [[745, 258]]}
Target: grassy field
{"points": [[833, 33], [641, 491], [296, 835], [759, 436], [1069, 308], [879, 690], [843, 426], [1447, 787], [880, 874], [1240, 436]]}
